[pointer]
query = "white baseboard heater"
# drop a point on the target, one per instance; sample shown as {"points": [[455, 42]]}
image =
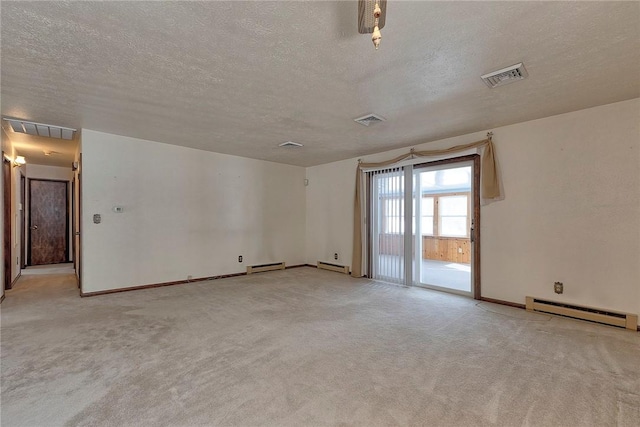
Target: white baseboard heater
{"points": [[614, 318], [265, 267], [333, 267]]}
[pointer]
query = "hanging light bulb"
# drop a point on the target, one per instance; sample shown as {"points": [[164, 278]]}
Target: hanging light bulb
{"points": [[376, 36]]}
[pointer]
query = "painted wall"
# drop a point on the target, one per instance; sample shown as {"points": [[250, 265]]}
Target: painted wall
{"points": [[3, 141], [9, 150], [185, 212], [571, 211], [49, 172]]}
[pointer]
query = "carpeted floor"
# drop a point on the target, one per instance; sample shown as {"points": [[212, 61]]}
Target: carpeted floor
{"points": [[304, 347]]}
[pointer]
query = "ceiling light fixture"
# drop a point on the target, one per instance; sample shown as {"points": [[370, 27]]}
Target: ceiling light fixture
{"points": [[371, 18], [19, 161], [40, 129]]}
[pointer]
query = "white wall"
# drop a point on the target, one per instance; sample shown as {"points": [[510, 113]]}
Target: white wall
{"points": [[9, 150], [49, 172], [571, 211], [4, 141], [186, 212], [329, 205]]}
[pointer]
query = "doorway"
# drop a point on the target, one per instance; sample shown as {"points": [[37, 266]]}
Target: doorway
{"points": [[426, 233], [48, 222]]}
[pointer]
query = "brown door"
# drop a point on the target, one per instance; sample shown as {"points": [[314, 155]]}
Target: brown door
{"points": [[48, 222]]}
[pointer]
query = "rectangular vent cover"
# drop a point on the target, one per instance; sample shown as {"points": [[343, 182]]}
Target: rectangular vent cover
{"points": [[40, 129], [265, 267], [333, 267], [369, 119], [608, 317], [505, 76]]}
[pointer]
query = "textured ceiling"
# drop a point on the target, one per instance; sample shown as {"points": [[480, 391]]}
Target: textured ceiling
{"points": [[242, 77]]}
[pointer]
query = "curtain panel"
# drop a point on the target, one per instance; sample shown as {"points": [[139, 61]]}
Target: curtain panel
{"points": [[489, 182]]}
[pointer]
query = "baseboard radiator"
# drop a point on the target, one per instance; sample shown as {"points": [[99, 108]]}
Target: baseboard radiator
{"points": [[265, 267], [614, 318], [333, 267]]}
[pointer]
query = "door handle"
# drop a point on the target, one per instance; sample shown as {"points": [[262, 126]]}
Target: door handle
{"points": [[472, 235], [35, 227]]}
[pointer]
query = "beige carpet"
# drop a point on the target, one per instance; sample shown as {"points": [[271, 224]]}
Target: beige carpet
{"points": [[304, 347]]}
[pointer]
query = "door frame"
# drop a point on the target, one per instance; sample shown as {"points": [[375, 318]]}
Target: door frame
{"points": [[6, 219], [474, 159], [77, 255], [66, 189], [72, 250], [23, 218]]}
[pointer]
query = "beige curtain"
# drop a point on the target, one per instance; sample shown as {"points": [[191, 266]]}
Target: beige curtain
{"points": [[490, 189]]}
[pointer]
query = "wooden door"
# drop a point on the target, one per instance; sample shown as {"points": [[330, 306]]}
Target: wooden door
{"points": [[48, 222]]}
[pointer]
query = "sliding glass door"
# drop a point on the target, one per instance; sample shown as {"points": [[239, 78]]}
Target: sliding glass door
{"points": [[388, 220], [443, 202], [422, 225]]}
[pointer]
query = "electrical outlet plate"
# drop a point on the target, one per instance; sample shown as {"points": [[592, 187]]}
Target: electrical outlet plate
{"points": [[558, 287]]}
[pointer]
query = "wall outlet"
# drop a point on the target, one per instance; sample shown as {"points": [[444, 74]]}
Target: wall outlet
{"points": [[240, 258], [335, 256], [558, 287], [189, 277], [459, 250]]}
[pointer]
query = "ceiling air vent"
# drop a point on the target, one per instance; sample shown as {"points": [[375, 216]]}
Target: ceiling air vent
{"points": [[290, 144], [40, 129], [505, 76], [368, 119]]}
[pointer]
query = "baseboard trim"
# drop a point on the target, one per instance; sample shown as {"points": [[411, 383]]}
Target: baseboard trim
{"points": [[501, 302], [159, 285], [1, 298], [515, 304], [177, 282], [15, 280]]}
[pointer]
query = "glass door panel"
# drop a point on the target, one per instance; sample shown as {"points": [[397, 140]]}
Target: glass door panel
{"points": [[388, 231], [442, 246]]}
